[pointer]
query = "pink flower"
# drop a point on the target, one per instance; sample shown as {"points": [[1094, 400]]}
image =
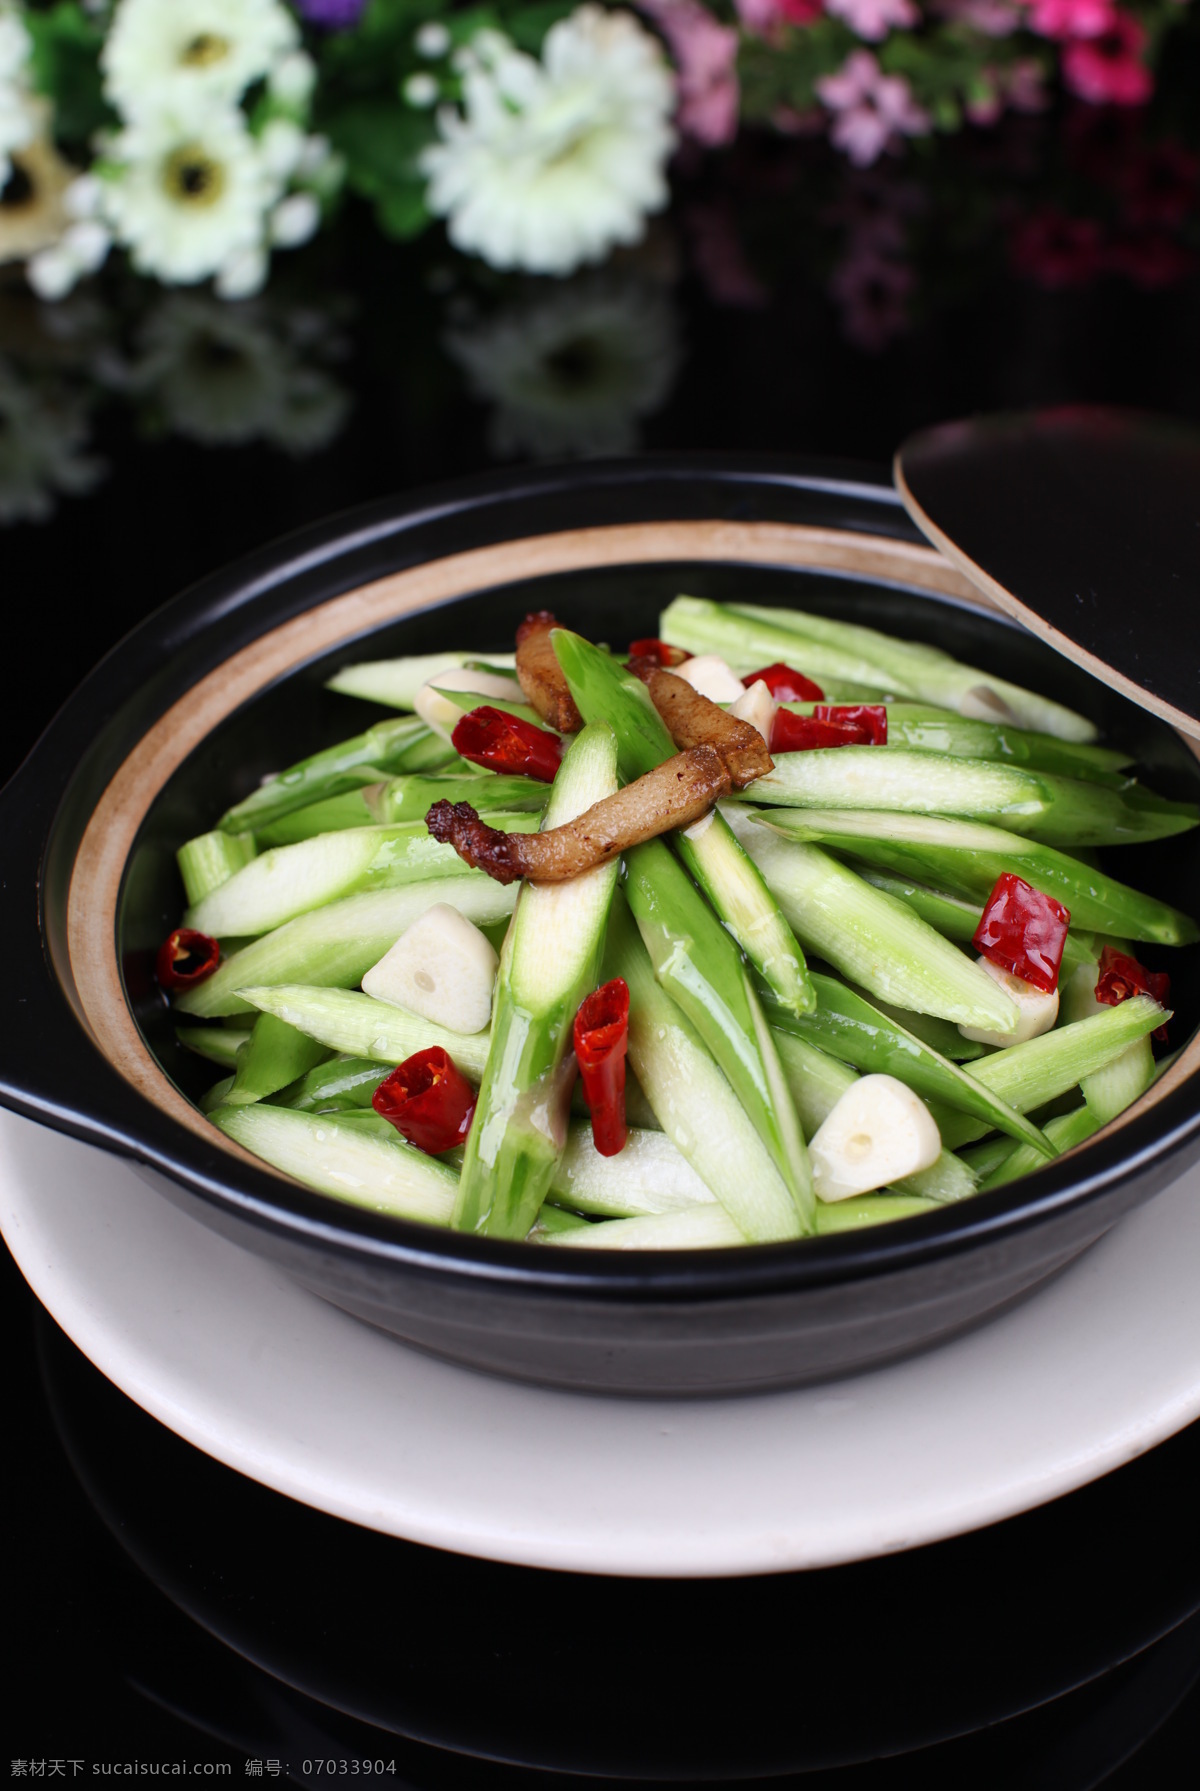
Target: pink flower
{"points": [[764, 17], [873, 109], [1057, 250], [873, 19], [705, 54], [991, 18], [1109, 70], [1070, 18]]}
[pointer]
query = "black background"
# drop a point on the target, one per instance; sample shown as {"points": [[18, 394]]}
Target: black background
{"points": [[160, 1608]]}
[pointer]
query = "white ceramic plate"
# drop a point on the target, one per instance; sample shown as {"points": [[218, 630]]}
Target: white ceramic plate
{"points": [[1100, 1365]]}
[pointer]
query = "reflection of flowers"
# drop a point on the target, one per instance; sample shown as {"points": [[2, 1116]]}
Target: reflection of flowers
{"points": [[553, 163], [572, 371], [227, 374], [164, 53], [42, 435]]}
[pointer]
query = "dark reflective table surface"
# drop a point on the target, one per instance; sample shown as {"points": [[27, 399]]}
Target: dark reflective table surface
{"points": [[159, 1608]]}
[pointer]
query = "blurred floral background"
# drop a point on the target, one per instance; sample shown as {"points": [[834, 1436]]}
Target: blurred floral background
{"points": [[362, 243]]}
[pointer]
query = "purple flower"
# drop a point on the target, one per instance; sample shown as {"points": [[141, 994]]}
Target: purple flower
{"points": [[873, 19], [331, 15], [705, 53], [872, 109]]}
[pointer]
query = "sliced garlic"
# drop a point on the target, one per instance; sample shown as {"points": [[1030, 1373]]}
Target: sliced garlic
{"points": [[757, 707], [1037, 1010], [442, 968], [878, 1132], [443, 716], [712, 676]]}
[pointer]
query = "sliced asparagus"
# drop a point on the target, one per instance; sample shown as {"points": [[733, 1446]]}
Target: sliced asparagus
{"points": [[943, 730], [395, 682], [849, 1027], [967, 857], [699, 966], [343, 1082], [333, 815], [601, 686], [273, 1055], [211, 859], [346, 1021], [847, 650], [291, 880], [650, 1175], [336, 945], [711, 1228], [870, 937], [549, 963], [213, 1042], [411, 798], [336, 1155], [693, 1101], [1035, 804], [391, 746], [1110, 1090]]}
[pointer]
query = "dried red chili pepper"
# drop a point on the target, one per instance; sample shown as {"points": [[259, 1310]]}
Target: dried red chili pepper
{"points": [[785, 684], [871, 717], [185, 958], [1121, 976], [428, 1100], [805, 733], [503, 742], [601, 1038], [659, 651], [1024, 932]]}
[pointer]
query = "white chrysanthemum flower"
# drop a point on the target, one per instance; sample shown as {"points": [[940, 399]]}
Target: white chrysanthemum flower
{"points": [[163, 53], [191, 194], [18, 113], [553, 163], [573, 372]]}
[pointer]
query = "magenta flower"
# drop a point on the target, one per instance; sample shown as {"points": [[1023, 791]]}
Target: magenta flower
{"points": [[1066, 19], [873, 19], [705, 56], [872, 109], [1109, 70], [764, 17]]}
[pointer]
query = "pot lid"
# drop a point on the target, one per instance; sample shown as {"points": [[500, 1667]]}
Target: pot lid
{"points": [[1084, 524]]}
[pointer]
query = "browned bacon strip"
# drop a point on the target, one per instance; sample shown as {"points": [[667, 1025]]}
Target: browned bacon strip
{"points": [[674, 794], [541, 677], [693, 721]]}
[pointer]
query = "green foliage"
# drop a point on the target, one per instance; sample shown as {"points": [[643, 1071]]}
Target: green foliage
{"points": [[66, 67], [782, 74], [381, 140]]}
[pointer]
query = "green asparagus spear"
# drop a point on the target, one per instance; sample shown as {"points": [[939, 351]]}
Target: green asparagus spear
{"points": [[395, 682], [821, 646], [345, 1020], [334, 1153], [694, 1102], [335, 946], [967, 857], [411, 798], [929, 729], [391, 746], [699, 966], [334, 815], [602, 687], [211, 859], [273, 1055], [549, 963], [711, 1228]]}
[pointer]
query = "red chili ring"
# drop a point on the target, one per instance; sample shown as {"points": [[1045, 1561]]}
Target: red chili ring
{"points": [[177, 948]]}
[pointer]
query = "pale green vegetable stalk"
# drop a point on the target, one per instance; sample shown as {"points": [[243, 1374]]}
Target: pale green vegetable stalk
{"points": [[1110, 1090], [335, 946], [694, 1103], [273, 1055], [395, 682], [817, 644], [967, 857], [549, 963], [391, 746], [711, 1228], [872, 938], [942, 730], [700, 967], [650, 1175], [290, 880], [210, 859], [345, 1020], [336, 1154], [213, 1042], [411, 798], [602, 688]]}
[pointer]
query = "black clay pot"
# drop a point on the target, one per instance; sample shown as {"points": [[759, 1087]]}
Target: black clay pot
{"points": [[227, 682]]}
